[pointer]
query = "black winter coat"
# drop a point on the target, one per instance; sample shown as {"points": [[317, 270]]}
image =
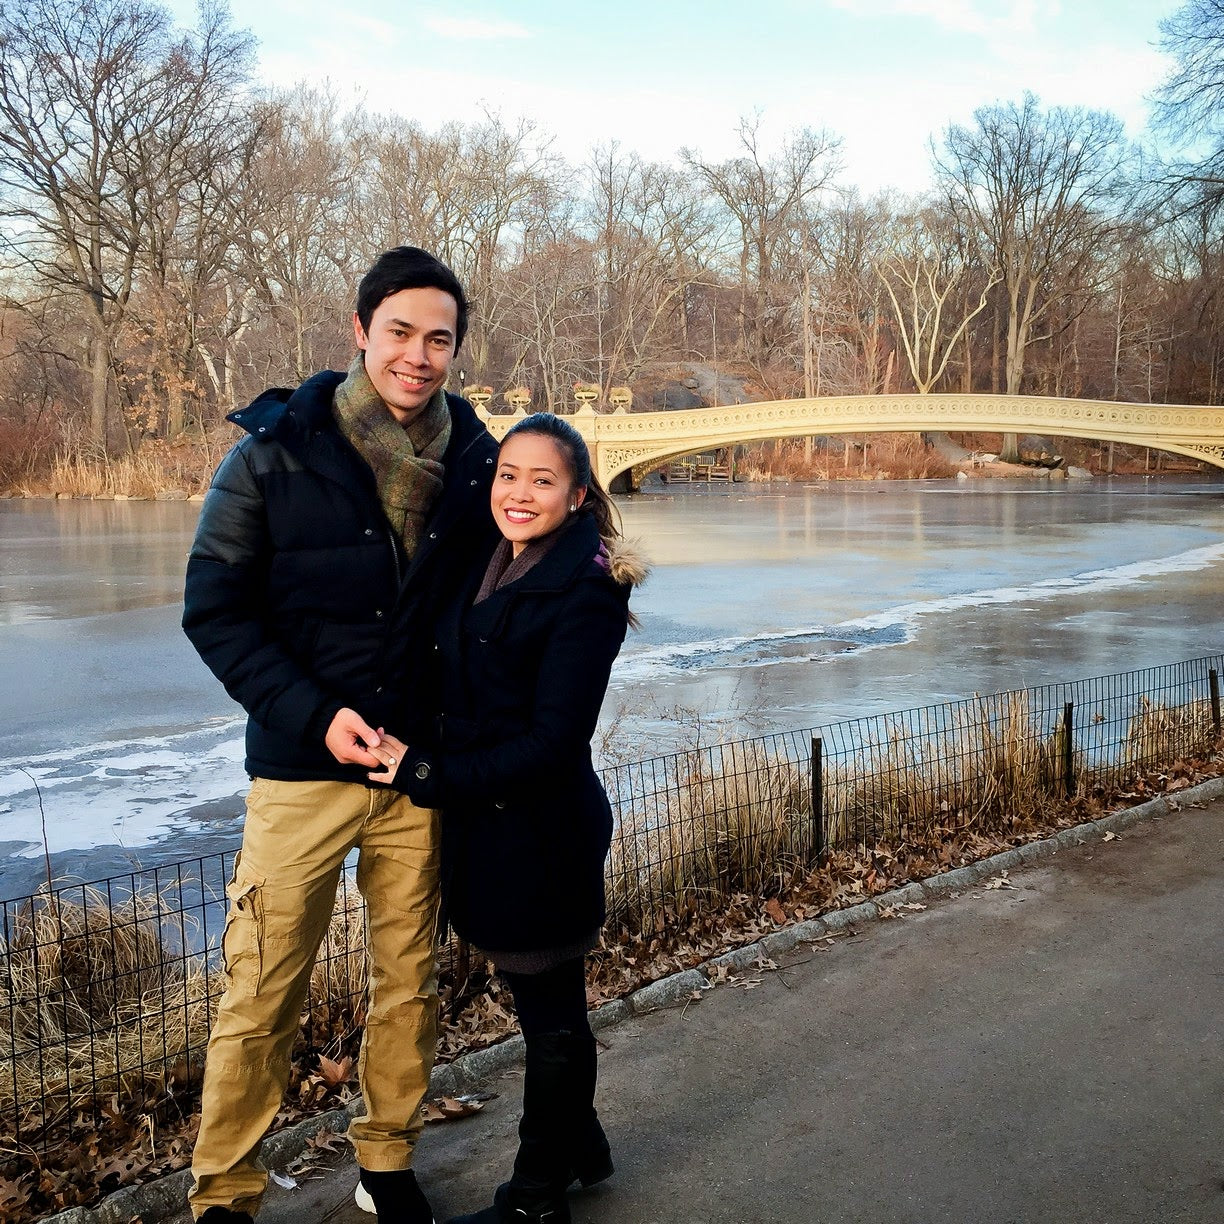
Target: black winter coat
{"points": [[526, 823], [299, 596]]}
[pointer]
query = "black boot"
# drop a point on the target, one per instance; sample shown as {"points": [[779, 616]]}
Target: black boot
{"points": [[397, 1197], [591, 1161], [560, 1139], [516, 1204], [223, 1215], [590, 1156]]}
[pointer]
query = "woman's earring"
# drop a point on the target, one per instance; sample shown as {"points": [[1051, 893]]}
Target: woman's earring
{"points": [[573, 509]]}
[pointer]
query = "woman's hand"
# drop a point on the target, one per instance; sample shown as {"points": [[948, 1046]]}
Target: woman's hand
{"points": [[391, 752]]}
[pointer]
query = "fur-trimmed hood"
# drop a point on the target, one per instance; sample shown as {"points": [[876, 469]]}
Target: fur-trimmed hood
{"points": [[627, 564]]}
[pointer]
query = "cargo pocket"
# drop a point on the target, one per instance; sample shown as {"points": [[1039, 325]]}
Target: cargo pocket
{"points": [[242, 939]]}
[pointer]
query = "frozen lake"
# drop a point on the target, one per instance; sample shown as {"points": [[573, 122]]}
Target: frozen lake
{"points": [[770, 608]]}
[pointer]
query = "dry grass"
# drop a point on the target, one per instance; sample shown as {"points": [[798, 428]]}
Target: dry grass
{"points": [[1159, 732], [899, 456], [990, 764], [96, 1002], [727, 819], [78, 475], [74, 469]]}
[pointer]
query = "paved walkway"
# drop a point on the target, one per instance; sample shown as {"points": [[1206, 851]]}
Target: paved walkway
{"points": [[1047, 1051]]}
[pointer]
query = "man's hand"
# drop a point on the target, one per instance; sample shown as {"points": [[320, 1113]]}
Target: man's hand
{"points": [[390, 753], [350, 738]]}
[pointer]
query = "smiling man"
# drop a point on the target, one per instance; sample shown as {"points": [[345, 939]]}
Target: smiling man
{"points": [[329, 536]]}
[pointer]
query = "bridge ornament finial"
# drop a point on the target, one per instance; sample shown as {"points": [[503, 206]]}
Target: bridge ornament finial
{"points": [[621, 399], [519, 398], [587, 394], [479, 396]]}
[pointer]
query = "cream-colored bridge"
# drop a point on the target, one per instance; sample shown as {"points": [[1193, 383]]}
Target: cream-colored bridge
{"points": [[636, 443]]}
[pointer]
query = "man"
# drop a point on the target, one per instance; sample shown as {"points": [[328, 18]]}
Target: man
{"points": [[328, 535]]}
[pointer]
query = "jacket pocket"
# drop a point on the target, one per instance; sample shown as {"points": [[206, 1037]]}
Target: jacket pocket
{"points": [[242, 939]]}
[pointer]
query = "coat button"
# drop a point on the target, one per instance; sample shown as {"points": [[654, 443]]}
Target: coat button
{"points": [[433, 535], [378, 613], [262, 429], [422, 770], [500, 806], [472, 483], [488, 460], [379, 689], [369, 531]]}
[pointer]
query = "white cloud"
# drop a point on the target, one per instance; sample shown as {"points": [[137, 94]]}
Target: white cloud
{"points": [[985, 17], [470, 28]]}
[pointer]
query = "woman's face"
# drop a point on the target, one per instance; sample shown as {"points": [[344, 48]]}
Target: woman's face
{"points": [[533, 489]]}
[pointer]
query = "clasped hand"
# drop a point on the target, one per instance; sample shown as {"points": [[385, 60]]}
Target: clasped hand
{"points": [[390, 753], [352, 741]]}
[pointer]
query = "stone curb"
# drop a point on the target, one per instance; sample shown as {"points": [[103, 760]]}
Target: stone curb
{"points": [[160, 1199]]}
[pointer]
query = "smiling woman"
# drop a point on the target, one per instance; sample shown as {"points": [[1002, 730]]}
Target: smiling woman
{"points": [[524, 653], [533, 491]]}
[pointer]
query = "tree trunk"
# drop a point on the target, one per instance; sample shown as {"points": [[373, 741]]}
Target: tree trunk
{"points": [[99, 419]]}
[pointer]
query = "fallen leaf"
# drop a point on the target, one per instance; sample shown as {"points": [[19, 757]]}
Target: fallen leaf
{"points": [[448, 1108], [327, 1140], [335, 1073], [774, 909]]}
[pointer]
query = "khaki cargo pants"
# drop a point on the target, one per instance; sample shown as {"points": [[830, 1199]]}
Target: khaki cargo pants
{"points": [[295, 840]]}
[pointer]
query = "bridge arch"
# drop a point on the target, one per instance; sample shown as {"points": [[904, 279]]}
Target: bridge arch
{"points": [[636, 443]]}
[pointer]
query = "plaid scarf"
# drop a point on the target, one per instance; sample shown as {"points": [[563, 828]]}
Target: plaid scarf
{"points": [[406, 460]]}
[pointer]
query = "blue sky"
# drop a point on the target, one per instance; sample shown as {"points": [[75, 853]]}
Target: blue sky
{"points": [[657, 75]]}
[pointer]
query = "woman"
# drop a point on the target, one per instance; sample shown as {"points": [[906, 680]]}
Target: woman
{"points": [[524, 659]]}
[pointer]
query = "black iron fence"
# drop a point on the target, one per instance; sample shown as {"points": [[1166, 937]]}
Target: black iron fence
{"points": [[106, 989]]}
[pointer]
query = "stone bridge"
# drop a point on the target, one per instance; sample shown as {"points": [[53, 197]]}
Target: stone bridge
{"points": [[627, 445]]}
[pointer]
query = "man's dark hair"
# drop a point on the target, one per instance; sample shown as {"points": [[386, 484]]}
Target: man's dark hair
{"points": [[409, 267]]}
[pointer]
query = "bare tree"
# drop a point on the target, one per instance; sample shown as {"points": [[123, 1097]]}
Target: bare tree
{"points": [[1036, 185], [849, 240], [1190, 101], [764, 196], [648, 233], [920, 275], [290, 228], [87, 89]]}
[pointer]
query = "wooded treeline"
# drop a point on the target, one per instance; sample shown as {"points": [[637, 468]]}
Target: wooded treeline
{"points": [[176, 239]]}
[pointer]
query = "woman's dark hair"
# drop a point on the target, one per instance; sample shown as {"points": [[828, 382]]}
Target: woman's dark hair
{"points": [[409, 267], [578, 458]]}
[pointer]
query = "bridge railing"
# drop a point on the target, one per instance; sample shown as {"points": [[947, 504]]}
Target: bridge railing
{"points": [[106, 988]]}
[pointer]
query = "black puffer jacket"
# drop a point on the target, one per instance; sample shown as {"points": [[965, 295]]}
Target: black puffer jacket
{"points": [[526, 824], [299, 596]]}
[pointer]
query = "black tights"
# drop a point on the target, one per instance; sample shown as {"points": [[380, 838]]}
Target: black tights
{"points": [[553, 1001]]}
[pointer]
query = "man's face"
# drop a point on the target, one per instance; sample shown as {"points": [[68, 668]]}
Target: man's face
{"points": [[409, 347]]}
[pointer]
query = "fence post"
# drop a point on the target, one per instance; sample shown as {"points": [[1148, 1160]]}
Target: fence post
{"points": [[818, 835], [1068, 750], [1213, 683]]}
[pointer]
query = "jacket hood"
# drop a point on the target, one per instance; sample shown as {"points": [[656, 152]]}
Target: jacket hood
{"points": [[627, 564]]}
